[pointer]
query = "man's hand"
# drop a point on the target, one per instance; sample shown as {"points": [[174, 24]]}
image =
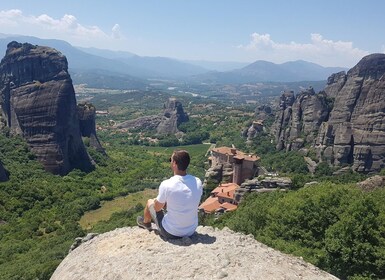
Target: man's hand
{"points": [[158, 206]]}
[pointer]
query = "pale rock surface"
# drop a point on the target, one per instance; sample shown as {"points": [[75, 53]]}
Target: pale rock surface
{"points": [[134, 253]]}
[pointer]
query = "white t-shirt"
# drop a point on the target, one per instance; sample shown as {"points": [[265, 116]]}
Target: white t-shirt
{"points": [[182, 195]]}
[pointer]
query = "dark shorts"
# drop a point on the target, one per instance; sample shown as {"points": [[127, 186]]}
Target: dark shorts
{"points": [[157, 217]]}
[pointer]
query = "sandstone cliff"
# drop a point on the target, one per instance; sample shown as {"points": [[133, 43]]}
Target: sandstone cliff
{"points": [[87, 114], [345, 122], [165, 123], [134, 253], [37, 101]]}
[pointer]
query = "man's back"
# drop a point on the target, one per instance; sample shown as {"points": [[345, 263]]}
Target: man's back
{"points": [[182, 195]]}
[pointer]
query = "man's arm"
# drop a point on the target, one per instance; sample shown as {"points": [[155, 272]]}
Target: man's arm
{"points": [[158, 206]]}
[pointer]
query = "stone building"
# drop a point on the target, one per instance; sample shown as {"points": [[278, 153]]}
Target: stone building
{"points": [[243, 166]]}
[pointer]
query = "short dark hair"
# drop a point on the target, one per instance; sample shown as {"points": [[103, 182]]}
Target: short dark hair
{"points": [[181, 158]]}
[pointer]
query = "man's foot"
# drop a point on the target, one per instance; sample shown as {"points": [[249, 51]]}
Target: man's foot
{"points": [[142, 224]]}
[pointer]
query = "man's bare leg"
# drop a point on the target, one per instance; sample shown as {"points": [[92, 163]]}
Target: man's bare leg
{"points": [[147, 215]]}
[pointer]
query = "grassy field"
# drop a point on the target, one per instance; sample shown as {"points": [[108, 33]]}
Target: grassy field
{"points": [[117, 205]]}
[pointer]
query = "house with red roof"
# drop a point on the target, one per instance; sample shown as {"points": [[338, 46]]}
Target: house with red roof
{"points": [[221, 199]]}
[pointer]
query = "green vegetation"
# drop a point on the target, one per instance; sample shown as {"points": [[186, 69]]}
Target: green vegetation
{"points": [[39, 212], [339, 228], [120, 204], [333, 225]]}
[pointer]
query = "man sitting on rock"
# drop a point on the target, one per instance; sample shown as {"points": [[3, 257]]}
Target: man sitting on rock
{"points": [[181, 194]]}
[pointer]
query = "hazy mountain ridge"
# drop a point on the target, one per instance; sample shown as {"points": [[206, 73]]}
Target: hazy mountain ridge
{"points": [[265, 71], [132, 69]]}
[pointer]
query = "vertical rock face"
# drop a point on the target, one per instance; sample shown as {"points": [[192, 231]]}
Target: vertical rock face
{"points": [[37, 100], [299, 116], [357, 121], [173, 116], [345, 122], [279, 128], [165, 123], [87, 113]]}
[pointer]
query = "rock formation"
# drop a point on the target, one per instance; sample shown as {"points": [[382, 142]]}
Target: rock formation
{"points": [[372, 183], [134, 253], [3, 173], [345, 122], [299, 116], [172, 117], [267, 184], [166, 123], [255, 128], [37, 101], [86, 114]]}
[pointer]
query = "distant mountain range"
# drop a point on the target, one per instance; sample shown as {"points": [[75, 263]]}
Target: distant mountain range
{"points": [[87, 65], [265, 71]]}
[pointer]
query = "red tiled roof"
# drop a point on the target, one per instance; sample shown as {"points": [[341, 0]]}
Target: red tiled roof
{"points": [[210, 204], [229, 194], [229, 206], [224, 188], [238, 154]]}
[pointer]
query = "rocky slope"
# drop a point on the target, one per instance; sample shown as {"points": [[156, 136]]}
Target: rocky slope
{"points": [[345, 122], [134, 253], [37, 101]]}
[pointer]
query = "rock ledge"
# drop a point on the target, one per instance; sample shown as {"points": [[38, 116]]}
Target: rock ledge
{"points": [[134, 253]]}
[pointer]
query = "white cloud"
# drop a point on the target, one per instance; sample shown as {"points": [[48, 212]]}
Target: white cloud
{"points": [[66, 28], [10, 17], [319, 50]]}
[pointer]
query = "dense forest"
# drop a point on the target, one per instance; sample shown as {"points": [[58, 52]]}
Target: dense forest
{"points": [[332, 224]]}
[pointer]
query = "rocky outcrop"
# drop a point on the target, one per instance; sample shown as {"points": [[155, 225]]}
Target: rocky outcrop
{"points": [[166, 123], [263, 112], [355, 131], [372, 183], [87, 114], [134, 253], [300, 116], [266, 184], [37, 101], [255, 128], [345, 123], [3, 173], [172, 117]]}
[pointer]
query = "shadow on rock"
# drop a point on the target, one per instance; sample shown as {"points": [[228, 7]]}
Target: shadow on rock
{"points": [[194, 239]]}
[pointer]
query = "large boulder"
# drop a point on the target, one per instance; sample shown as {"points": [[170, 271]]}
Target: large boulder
{"points": [[134, 253], [38, 102]]}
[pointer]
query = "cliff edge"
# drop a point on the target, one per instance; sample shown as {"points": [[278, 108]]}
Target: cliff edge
{"points": [[134, 253]]}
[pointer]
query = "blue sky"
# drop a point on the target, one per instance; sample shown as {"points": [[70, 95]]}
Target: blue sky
{"points": [[327, 32]]}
